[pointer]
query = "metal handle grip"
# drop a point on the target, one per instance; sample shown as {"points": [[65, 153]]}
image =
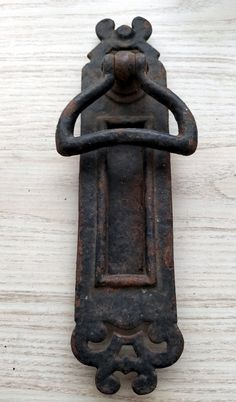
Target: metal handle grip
{"points": [[184, 143]]}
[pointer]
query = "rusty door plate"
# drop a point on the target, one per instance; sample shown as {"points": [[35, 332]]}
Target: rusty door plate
{"points": [[125, 304]]}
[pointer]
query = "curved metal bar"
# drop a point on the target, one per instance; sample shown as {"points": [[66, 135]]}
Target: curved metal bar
{"points": [[184, 143], [66, 143]]}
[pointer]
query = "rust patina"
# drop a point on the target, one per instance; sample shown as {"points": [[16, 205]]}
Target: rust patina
{"points": [[125, 305]]}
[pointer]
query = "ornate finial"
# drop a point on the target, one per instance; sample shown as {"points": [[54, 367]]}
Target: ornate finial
{"points": [[124, 37], [141, 28]]}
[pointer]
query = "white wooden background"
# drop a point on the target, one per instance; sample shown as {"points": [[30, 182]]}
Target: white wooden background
{"points": [[43, 46]]}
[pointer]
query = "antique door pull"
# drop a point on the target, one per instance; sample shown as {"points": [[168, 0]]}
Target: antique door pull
{"points": [[184, 143], [125, 307]]}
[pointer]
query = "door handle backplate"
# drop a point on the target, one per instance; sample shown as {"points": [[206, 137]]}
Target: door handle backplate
{"points": [[125, 305]]}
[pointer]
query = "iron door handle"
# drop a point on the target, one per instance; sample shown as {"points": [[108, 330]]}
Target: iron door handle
{"points": [[184, 143], [125, 304]]}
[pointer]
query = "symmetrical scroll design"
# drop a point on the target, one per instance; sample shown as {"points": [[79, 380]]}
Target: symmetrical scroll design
{"points": [[144, 363], [125, 270]]}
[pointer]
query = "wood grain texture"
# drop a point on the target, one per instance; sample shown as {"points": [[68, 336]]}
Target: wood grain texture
{"points": [[43, 46]]}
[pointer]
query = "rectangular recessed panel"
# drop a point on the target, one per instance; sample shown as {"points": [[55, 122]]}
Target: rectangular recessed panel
{"points": [[125, 229], [126, 210]]}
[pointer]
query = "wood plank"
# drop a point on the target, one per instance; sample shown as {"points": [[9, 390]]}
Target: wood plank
{"points": [[43, 46]]}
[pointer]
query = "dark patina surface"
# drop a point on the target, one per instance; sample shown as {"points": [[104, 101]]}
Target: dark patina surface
{"points": [[125, 292]]}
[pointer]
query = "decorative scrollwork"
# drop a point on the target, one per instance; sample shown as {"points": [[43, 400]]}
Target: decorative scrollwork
{"points": [[108, 361]]}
